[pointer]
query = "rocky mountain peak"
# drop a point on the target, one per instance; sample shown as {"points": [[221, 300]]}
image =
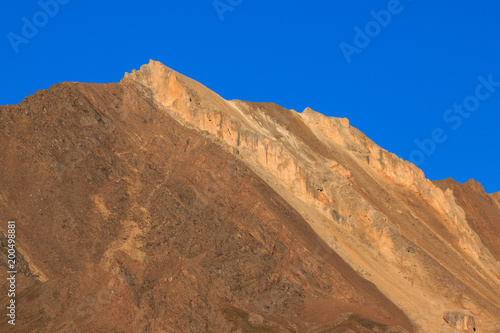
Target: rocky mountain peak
{"points": [[217, 215]]}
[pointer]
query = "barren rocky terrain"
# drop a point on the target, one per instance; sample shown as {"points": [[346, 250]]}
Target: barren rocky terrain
{"points": [[154, 205]]}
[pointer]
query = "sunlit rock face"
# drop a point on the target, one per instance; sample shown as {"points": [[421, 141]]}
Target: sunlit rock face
{"points": [[218, 215]]}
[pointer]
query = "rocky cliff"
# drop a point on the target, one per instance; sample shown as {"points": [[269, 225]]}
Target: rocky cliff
{"points": [[153, 204]]}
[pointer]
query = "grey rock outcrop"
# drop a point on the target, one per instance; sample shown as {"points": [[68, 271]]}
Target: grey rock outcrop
{"points": [[461, 320]]}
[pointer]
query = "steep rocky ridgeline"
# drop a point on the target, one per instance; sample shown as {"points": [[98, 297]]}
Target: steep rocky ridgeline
{"points": [[153, 204], [380, 213]]}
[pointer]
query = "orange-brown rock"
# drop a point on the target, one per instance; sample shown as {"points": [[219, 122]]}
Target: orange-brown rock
{"points": [[496, 196], [481, 210], [153, 204]]}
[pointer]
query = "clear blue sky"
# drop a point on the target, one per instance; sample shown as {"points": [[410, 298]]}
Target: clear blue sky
{"points": [[409, 65]]}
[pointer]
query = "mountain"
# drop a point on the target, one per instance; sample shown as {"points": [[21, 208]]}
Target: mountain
{"points": [[154, 205]]}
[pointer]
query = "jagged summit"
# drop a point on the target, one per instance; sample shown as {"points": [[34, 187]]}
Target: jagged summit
{"points": [[154, 71], [167, 208]]}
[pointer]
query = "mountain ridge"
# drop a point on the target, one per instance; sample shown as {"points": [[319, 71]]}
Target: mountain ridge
{"points": [[404, 173], [400, 239]]}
